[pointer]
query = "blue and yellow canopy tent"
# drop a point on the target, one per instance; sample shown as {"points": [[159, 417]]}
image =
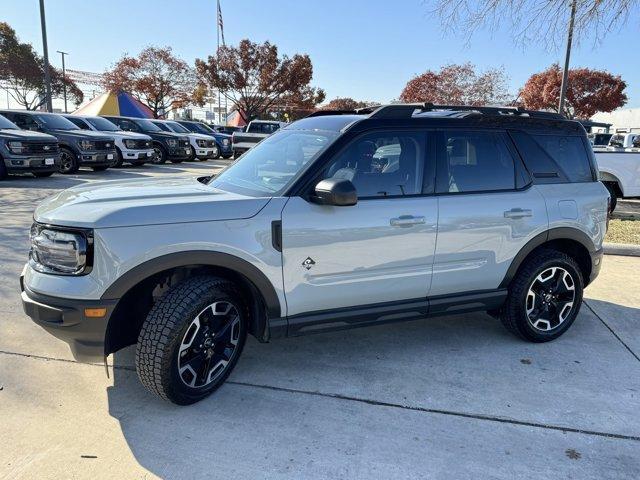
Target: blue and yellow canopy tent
{"points": [[121, 104]]}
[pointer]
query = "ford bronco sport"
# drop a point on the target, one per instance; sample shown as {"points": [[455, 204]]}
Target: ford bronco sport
{"points": [[337, 220]]}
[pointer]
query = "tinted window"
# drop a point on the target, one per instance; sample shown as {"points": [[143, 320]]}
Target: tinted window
{"points": [[6, 124], [382, 164], [57, 122], [78, 123], [475, 162], [176, 127], [569, 154], [147, 125], [267, 128], [25, 122], [616, 141], [102, 124]]}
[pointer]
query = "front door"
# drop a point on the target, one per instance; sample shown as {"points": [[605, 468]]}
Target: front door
{"points": [[379, 251]]}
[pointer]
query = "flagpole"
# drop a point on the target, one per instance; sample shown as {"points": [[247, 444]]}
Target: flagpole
{"points": [[218, 55]]}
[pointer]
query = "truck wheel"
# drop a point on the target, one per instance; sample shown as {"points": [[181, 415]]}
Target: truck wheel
{"points": [[544, 297], [42, 174], [68, 161], [614, 193], [192, 339], [216, 153], [119, 158], [160, 155]]}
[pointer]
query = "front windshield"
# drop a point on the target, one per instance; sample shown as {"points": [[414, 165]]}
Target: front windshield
{"points": [[57, 122], [6, 124], [270, 167], [201, 128], [148, 125], [103, 124], [176, 127], [163, 126]]}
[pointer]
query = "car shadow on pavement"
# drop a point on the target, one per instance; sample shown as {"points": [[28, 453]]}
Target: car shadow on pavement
{"points": [[460, 364]]}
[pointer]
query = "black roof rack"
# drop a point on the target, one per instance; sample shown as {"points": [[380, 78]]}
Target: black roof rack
{"points": [[407, 110]]}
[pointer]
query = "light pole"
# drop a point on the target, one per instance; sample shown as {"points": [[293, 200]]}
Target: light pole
{"points": [[47, 76], [565, 72], [64, 80]]}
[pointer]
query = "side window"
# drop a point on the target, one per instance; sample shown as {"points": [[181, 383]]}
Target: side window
{"points": [[382, 164], [78, 123], [570, 155], [127, 125], [475, 162], [25, 122]]}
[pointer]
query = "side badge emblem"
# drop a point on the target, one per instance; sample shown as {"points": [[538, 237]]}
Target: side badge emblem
{"points": [[308, 263]]}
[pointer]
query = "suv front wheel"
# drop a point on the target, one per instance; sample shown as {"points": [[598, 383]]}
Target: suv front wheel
{"points": [[191, 339], [544, 297]]}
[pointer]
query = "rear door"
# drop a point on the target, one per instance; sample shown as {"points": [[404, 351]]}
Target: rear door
{"points": [[487, 210], [376, 252]]}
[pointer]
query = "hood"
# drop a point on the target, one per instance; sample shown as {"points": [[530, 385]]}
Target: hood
{"points": [[127, 135], [167, 134], [84, 134], [200, 136], [10, 134], [150, 201]]}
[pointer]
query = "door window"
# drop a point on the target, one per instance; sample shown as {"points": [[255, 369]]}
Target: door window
{"points": [[382, 164], [475, 162], [26, 122]]}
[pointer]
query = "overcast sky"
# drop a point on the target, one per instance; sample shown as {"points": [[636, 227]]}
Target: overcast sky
{"points": [[365, 49]]}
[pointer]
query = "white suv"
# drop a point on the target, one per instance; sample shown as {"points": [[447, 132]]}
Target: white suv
{"points": [[131, 147], [337, 220]]}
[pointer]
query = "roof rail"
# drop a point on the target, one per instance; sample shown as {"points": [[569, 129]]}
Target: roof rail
{"points": [[407, 110]]}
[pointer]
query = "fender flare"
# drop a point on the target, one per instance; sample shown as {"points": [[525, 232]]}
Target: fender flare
{"points": [[558, 233], [196, 257]]}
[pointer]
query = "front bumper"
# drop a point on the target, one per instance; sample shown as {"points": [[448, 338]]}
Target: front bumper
{"points": [[138, 155], [97, 159], [18, 163], [65, 319], [180, 152], [204, 153]]}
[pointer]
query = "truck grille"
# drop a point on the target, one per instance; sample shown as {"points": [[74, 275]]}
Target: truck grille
{"points": [[211, 143], [40, 148], [104, 145], [140, 144], [184, 142]]}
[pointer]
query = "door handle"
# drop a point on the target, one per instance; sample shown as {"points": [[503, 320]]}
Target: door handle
{"points": [[406, 221], [518, 213]]}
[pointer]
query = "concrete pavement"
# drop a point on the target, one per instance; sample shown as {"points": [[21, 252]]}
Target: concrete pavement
{"points": [[452, 397]]}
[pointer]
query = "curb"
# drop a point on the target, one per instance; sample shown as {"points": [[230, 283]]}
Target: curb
{"points": [[624, 249]]}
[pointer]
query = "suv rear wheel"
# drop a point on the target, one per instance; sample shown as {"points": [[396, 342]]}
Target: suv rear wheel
{"points": [[544, 297], [192, 339]]}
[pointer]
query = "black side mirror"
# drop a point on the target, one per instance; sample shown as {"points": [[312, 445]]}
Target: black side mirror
{"points": [[335, 191]]}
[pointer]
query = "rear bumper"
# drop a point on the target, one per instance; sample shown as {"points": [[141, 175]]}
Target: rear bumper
{"points": [[596, 264], [65, 319]]}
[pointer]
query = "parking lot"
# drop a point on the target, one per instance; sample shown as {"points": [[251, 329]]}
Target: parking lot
{"points": [[450, 397]]}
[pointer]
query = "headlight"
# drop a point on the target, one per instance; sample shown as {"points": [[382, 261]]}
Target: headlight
{"points": [[16, 147], [130, 143], [172, 142], [201, 143], [225, 142], [63, 252], [87, 145]]}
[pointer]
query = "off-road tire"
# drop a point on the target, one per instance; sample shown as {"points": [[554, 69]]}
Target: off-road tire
{"points": [[119, 158], [164, 328], [513, 313]]}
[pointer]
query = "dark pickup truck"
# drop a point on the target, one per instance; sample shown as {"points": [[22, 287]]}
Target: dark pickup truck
{"points": [[77, 147], [27, 152]]}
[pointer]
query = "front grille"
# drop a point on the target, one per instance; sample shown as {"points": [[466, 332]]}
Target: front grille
{"points": [[211, 143], [39, 148], [140, 144], [104, 145], [184, 143]]}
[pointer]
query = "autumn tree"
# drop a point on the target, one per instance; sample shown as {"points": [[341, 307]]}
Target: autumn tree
{"points": [[533, 20], [257, 80], [458, 85], [346, 103], [157, 78], [22, 73], [588, 92]]}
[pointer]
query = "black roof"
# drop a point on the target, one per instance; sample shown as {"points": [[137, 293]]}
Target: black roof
{"points": [[442, 116]]}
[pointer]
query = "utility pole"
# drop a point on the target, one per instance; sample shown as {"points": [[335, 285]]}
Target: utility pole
{"points": [[47, 75], [64, 80], [565, 72]]}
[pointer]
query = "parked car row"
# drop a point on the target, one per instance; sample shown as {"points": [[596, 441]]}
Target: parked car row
{"points": [[45, 143]]}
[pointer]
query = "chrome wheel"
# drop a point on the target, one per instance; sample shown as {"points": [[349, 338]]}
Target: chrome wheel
{"points": [[209, 344], [550, 299]]}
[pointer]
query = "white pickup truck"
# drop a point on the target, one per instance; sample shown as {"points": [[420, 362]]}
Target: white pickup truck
{"points": [[256, 131], [620, 171]]}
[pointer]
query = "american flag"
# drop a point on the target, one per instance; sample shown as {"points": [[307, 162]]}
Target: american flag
{"points": [[220, 22]]}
